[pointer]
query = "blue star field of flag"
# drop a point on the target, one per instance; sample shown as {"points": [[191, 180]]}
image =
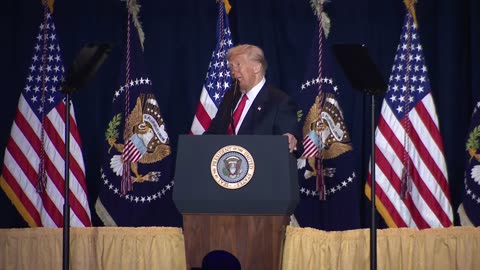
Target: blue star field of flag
{"points": [[218, 79], [409, 81], [47, 64]]}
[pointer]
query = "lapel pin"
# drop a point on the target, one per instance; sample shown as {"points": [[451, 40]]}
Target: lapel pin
{"points": [[259, 108]]}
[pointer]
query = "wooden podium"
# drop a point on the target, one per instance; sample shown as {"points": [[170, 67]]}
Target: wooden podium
{"points": [[249, 221], [256, 241]]}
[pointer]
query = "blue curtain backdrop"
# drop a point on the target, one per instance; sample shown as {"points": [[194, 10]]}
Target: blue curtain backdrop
{"points": [[180, 37]]}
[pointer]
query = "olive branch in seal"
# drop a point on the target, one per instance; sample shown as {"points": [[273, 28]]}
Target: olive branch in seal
{"points": [[299, 115], [472, 144], [112, 131]]}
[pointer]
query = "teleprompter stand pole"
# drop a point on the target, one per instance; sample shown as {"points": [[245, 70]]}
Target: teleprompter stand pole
{"points": [[364, 76]]}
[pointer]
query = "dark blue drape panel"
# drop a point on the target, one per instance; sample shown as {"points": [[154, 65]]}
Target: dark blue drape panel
{"points": [[180, 37]]}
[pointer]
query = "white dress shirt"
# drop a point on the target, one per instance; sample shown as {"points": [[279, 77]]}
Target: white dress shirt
{"points": [[252, 94]]}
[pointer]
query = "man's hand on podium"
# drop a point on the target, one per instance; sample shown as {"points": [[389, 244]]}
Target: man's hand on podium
{"points": [[292, 142]]}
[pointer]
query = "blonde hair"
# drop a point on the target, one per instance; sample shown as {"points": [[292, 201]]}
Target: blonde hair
{"points": [[252, 52]]}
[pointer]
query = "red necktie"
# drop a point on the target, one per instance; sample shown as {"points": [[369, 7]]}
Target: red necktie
{"points": [[237, 113]]}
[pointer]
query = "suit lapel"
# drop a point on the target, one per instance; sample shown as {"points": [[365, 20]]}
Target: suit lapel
{"points": [[255, 112], [231, 98]]}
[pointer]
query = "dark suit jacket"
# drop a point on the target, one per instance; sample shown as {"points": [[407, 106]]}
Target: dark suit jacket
{"points": [[272, 113]]}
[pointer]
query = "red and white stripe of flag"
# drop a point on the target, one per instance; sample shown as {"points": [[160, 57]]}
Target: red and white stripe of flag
{"points": [[21, 164], [310, 149], [131, 153], [428, 203], [206, 111]]}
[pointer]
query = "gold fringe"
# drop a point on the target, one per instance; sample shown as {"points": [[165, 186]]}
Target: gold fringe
{"points": [[464, 219], [227, 6], [49, 3], [381, 208], [103, 214], [410, 4], [17, 202]]}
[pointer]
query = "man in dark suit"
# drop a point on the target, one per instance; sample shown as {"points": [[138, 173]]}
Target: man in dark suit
{"points": [[254, 106]]}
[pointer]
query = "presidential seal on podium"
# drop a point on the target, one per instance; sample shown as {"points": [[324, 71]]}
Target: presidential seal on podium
{"points": [[232, 167]]}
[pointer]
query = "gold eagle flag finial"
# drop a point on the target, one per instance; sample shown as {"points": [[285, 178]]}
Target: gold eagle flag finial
{"points": [[320, 13], [410, 4], [134, 8], [49, 3], [228, 7]]}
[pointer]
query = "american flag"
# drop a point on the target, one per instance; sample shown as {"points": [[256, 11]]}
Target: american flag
{"points": [[218, 79], [469, 210], [36, 145], [411, 173]]}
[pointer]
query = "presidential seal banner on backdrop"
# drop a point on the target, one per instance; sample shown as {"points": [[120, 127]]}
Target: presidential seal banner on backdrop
{"points": [[328, 182], [469, 210], [137, 171]]}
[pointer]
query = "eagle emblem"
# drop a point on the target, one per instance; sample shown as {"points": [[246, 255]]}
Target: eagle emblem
{"points": [[472, 147], [145, 141], [232, 167], [326, 128]]}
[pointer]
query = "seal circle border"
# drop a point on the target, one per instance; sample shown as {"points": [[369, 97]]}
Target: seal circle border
{"points": [[225, 150]]}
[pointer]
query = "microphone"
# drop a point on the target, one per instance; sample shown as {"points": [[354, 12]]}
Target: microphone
{"points": [[235, 86], [234, 102]]}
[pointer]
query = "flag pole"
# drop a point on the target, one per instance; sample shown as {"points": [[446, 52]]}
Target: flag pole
{"points": [[373, 225], [47, 8], [364, 76], [66, 204]]}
